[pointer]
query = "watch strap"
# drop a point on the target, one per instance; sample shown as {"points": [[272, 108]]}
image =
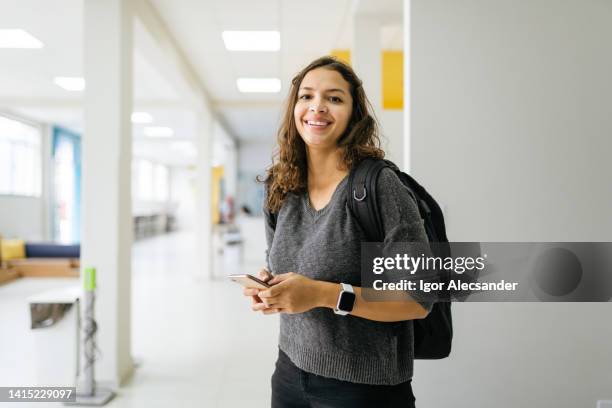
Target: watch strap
{"points": [[345, 288]]}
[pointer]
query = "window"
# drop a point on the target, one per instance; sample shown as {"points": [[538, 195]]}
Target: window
{"points": [[66, 187], [20, 158]]}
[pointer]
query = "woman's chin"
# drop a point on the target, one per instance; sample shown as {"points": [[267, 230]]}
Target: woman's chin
{"points": [[317, 141], [318, 146]]}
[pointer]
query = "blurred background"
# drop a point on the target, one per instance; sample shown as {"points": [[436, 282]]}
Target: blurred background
{"points": [[131, 134]]}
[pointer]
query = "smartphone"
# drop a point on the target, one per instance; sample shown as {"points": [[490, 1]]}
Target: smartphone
{"points": [[249, 281]]}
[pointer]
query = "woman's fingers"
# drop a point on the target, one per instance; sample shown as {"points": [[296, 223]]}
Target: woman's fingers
{"points": [[272, 291], [281, 277], [250, 291], [271, 301], [261, 307], [258, 306], [264, 274]]}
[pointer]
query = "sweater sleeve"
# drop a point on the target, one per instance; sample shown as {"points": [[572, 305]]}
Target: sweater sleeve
{"points": [[402, 223]]}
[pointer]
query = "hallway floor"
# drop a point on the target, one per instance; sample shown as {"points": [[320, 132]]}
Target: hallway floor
{"points": [[195, 341]]}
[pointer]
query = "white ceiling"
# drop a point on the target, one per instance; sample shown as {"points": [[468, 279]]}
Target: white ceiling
{"points": [[308, 30], [306, 33], [26, 76], [29, 73]]}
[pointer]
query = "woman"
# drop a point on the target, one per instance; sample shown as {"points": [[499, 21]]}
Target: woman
{"points": [[329, 357]]}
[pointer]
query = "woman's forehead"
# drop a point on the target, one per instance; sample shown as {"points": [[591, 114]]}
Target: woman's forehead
{"points": [[322, 79]]}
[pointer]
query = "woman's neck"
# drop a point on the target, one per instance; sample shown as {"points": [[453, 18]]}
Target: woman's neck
{"points": [[324, 168]]}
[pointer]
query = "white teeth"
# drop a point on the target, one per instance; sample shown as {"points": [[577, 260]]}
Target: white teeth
{"points": [[313, 123]]}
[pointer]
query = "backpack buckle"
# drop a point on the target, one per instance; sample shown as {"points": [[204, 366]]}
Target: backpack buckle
{"points": [[359, 198]]}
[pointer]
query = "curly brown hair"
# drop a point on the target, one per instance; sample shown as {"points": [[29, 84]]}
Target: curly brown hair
{"points": [[289, 171]]}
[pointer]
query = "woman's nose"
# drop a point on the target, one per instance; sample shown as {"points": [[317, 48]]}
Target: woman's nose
{"points": [[318, 107]]}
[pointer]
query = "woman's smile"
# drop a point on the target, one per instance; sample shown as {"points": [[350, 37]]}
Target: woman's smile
{"points": [[317, 125]]}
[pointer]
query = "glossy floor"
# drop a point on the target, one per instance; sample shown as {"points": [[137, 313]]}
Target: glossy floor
{"points": [[195, 341]]}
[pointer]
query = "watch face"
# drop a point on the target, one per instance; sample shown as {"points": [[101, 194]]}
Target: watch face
{"points": [[347, 300]]}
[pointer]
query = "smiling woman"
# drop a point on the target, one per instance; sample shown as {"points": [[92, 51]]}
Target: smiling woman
{"points": [[326, 110], [336, 349]]}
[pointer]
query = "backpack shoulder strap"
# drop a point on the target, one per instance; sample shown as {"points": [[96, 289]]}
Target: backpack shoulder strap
{"points": [[273, 217], [362, 197]]}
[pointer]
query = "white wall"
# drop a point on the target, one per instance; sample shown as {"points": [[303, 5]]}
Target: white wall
{"points": [[22, 217], [256, 156], [510, 128], [253, 158]]}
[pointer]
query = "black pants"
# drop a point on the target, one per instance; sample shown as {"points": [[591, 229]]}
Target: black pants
{"points": [[295, 388]]}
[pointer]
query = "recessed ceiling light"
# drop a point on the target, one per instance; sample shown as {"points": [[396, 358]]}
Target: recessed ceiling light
{"points": [[158, 131], [17, 38], [251, 40], [141, 117], [267, 85], [70, 83]]}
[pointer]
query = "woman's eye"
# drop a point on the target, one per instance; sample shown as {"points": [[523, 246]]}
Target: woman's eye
{"points": [[305, 97], [335, 99]]}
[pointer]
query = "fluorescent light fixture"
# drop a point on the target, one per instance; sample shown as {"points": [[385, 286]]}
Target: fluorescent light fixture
{"points": [[70, 83], [263, 85], [251, 40], [17, 38], [158, 131], [141, 117]]}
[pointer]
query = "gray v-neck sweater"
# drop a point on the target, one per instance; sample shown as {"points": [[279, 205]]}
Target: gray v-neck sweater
{"points": [[326, 245]]}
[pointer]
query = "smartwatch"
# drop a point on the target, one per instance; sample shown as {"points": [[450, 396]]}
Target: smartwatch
{"points": [[346, 300]]}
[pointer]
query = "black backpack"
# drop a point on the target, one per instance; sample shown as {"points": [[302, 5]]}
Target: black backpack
{"points": [[432, 335]]}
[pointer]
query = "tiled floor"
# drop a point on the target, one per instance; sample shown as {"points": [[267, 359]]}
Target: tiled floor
{"points": [[196, 342]]}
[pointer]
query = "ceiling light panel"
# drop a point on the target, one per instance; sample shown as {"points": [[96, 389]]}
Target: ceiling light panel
{"points": [[251, 40], [18, 38], [259, 85]]}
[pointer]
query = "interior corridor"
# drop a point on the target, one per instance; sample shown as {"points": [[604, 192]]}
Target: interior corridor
{"points": [[190, 337]]}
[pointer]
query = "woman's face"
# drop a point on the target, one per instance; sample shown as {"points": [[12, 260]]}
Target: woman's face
{"points": [[323, 109]]}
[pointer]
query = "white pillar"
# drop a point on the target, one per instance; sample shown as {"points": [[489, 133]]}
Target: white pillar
{"points": [[407, 83], [366, 57], [204, 142], [107, 155]]}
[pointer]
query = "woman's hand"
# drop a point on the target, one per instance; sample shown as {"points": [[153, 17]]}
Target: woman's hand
{"points": [[265, 275], [290, 293]]}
